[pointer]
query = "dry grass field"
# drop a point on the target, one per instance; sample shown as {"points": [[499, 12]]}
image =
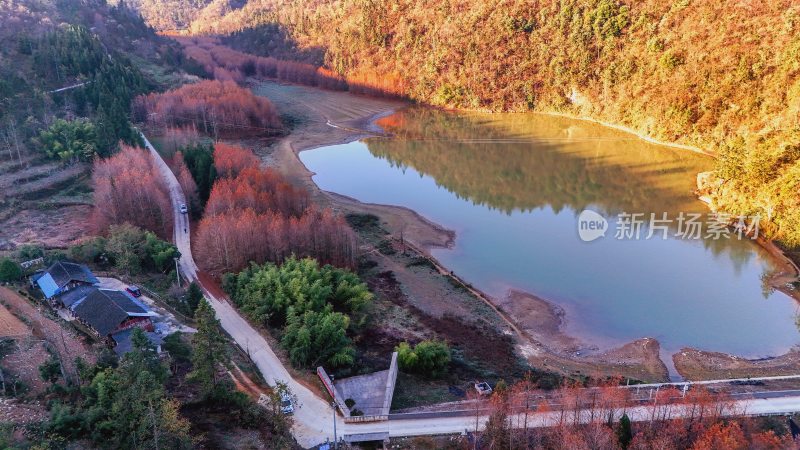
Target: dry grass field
{"points": [[10, 326]]}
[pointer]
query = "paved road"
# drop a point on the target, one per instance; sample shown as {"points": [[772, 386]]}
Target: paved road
{"points": [[313, 418], [313, 422]]}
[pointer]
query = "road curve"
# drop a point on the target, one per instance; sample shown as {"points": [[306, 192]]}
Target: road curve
{"points": [[313, 419], [313, 422]]}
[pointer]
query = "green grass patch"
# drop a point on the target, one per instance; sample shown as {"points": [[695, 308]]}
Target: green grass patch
{"points": [[420, 261], [412, 391], [363, 221], [386, 247]]}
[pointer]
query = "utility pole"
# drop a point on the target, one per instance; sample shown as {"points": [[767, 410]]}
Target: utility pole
{"points": [[333, 405], [475, 436], [177, 272], [335, 439]]}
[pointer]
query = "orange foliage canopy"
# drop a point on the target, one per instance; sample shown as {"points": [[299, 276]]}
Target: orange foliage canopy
{"points": [[254, 214], [230, 241], [261, 190], [219, 108], [128, 188], [721, 435], [229, 160]]}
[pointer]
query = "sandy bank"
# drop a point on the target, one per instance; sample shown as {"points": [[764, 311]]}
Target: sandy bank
{"points": [[703, 365], [550, 348]]}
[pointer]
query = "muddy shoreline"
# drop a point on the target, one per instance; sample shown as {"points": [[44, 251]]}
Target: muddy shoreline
{"points": [[538, 323]]}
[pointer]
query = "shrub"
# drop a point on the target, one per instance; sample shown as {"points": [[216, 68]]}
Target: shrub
{"points": [[69, 140], [406, 357], [609, 18], [30, 251], [193, 296], [429, 358], [386, 247], [91, 250], [670, 60], [132, 249], [9, 270]]}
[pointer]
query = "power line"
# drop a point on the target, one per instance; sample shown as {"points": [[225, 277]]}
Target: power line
{"points": [[228, 124]]}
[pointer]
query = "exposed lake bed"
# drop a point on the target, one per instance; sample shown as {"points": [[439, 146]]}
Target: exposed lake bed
{"points": [[632, 179], [532, 181]]}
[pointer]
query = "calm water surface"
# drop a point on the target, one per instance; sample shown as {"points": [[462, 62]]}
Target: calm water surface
{"points": [[512, 186]]}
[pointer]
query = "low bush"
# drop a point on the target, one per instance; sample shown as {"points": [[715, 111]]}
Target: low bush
{"points": [[428, 358], [9, 270]]}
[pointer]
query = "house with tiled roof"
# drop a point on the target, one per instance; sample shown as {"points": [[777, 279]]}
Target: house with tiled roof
{"points": [[123, 342], [63, 276], [106, 312], [72, 296]]}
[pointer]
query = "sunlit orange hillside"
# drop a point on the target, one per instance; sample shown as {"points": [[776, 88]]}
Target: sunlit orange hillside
{"points": [[722, 76]]}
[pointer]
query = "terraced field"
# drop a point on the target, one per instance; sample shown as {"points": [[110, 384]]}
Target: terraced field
{"points": [[36, 193], [10, 326]]}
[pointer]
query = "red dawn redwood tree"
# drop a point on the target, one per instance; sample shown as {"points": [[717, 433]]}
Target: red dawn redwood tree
{"points": [[128, 188]]}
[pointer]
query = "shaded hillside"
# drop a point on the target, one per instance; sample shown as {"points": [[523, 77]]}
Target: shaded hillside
{"points": [[695, 72], [68, 72]]}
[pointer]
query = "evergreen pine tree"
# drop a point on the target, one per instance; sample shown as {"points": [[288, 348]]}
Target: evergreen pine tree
{"points": [[624, 431], [209, 349]]}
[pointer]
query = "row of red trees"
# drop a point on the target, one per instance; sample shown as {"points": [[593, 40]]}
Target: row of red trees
{"points": [[261, 190], [225, 63], [228, 242], [254, 214], [580, 418], [129, 188], [217, 108]]}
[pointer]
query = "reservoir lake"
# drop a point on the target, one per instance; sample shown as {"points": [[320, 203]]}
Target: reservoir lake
{"points": [[512, 187]]}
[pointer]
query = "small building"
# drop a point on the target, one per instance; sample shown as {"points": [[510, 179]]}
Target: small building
{"points": [[107, 312], [63, 276], [123, 342], [363, 398]]}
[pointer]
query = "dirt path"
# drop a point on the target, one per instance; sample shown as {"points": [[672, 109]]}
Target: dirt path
{"points": [[246, 384]]}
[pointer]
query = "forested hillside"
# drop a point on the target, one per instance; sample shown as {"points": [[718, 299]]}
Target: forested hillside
{"points": [[103, 57], [722, 76], [68, 73]]}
